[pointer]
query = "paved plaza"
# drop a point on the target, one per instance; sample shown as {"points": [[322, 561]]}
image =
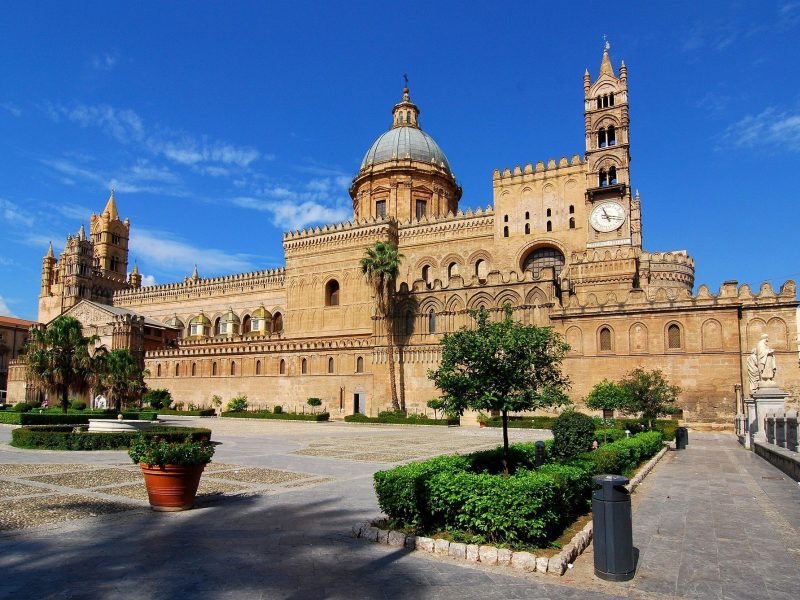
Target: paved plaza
{"points": [[277, 504]]}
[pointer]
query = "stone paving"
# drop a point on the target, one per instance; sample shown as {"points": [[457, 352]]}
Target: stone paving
{"points": [[710, 522]]}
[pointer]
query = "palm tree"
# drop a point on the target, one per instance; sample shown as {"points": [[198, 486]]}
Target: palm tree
{"points": [[122, 376], [58, 359], [380, 266]]}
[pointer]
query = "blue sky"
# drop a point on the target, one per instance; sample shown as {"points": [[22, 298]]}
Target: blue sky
{"points": [[223, 124]]}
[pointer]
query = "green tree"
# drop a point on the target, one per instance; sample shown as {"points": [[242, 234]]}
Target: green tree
{"points": [[314, 403], [122, 377], [501, 366], [380, 266], [649, 394], [436, 405], [607, 395], [58, 358]]}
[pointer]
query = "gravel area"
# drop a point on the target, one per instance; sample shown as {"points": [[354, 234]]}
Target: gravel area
{"points": [[91, 478], [12, 488], [260, 475], [25, 470], [30, 512]]}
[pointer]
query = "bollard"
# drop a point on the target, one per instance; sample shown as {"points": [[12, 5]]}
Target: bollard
{"points": [[538, 460], [681, 438], [613, 529]]}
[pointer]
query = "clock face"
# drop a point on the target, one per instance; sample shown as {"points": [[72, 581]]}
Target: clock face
{"points": [[607, 216]]}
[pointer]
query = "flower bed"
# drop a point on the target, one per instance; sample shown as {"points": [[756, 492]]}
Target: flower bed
{"points": [[263, 414], [398, 420], [65, 437], [71, 417], [464, 496]]}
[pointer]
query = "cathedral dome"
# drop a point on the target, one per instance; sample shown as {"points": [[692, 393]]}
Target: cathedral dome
{"points": [[402, 143]]}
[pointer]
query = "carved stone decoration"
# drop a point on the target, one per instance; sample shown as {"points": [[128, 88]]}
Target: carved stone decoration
{"points": [[761, 366]]}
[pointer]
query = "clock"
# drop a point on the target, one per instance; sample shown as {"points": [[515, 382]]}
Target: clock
{"points": [[607, 216]]}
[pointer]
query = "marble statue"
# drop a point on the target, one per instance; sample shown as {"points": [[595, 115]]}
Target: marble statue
{"points": [[761, 366]]}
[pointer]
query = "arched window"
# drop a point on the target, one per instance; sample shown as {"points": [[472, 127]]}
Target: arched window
{"points": [[332, 293], [330, 365], [602, 178], [549, 226], [505, 218], [360, 364], [258, 367], [572, 222], [611, 136], [409, 322], [601, 138], [247, 324], [599, 102], [158, 370], [505, 231], [612, 175], [452, 270], [426, 274], [480, 269], [544, 257], [304, 366], [277, 323], [527, 228], [611, 99], [572, 209], [214, 368], [177, 370], [674, 337], [233, 368], [217, 326], [605, 340], [549, 212], [527, 215], [431, 321], [282, 367], [194, 369]]}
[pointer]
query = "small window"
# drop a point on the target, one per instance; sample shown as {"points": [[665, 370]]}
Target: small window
{"points": [[505, 219], [114, 263], [601, 138], [599, 102], [282, 367], [380, 208], [572, 222], [605, 340], [177, 370], [549, 212], [426, 274], [332, 293], [611, 136], [480, 269], [233, 368], [527, 215], [608, 413], [612, 175], [549, 226], [217, 326], [115, 239], [572, 209], [214, 368], [360, 364], [304, 366], [422, 209], [409, 322], [330, 365], [277, 323], [527, 228], [247, 324], [158, 370], [431, 321], [194, 369], [258, 367], [452, 270], [674, 337], [611, 99], [505, 231], [602, 178]]}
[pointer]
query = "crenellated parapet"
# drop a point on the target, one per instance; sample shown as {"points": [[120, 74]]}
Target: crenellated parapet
{"points": [[465, 224], [341, 235], [542, 170], [667, 268], [256, 345], [268, 279]]}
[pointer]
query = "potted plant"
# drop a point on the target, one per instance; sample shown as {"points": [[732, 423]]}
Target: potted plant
{"points": [[171, 470]]}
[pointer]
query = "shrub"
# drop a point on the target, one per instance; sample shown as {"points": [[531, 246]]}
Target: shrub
{"points": [[314, 402], [278, 409], [65, 437], [22, 407], [400, 418], [237, 404], [158, 398], [79, 405], [265, 414], [603, 436], [623, 456], [573, 433], [151, 450], [523, 422], [197, 412]]}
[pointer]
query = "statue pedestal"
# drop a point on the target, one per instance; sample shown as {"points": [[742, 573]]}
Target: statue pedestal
{"points": [[764, 400]]}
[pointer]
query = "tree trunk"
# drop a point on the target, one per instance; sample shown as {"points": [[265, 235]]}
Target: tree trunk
{"points": [[505, 443], [392, 383], [64, 399]]}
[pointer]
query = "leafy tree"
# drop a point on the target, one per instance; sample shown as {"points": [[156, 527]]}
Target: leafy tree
{"points": [[436, 405], [58, 359], [573, 433], [501, 366], [607, 395], [649, 394], [380, 266], [314, 403], [237, 403], [122, 376], [159, 398]]}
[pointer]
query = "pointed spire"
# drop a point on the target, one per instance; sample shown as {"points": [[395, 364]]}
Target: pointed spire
{"points": [[111, 208], [81, 234], [405, 112], [195, 274], [135, 268], [50, 251], [606, 68]]}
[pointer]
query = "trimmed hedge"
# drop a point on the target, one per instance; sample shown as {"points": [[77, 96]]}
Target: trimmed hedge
{"points": [[395, 419], [666, 426], [72, 417], [64, 437], [203, 412], [603, 436], [532, 507], [523, 422], [263, 414]]}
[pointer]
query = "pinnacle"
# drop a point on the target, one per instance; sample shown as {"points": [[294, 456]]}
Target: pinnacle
{"points": [[111, 208]]}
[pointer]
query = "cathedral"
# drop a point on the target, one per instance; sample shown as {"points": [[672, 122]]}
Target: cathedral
{"points": [[562, 246]]}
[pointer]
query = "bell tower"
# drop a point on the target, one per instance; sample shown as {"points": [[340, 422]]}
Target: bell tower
{"points": [[614, 214], [110, 238]]}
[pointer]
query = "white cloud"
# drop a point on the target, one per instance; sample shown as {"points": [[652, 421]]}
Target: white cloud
{"points": [[140, 177], [12, 213], [290, 214], [4, 309], [11, 108], [103, 62], [148, 280], [772, 128], [162, 249]]}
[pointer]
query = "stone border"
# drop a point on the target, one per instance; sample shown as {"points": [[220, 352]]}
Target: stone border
{"points": [[490, 555]]}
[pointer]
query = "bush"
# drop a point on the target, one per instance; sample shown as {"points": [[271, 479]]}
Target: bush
{"points": [[237, 404], [400, 418], [158, 398], [603, 436], [79, 405], [278, 409], [202, 412], [623, 456], [151, 450], [265, 414], [573, 433], [64, 437], [73, 418], [666, 426], [22, 407], [523, 422]]}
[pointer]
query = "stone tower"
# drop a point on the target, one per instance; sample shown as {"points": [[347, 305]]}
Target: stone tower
{"points": [[404, 174], [76, 270], [110, 238], [608, 157]]}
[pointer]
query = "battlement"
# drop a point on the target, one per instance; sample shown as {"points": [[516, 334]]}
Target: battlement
{"points": [[338, 234], [540, 171], [219, 348]]}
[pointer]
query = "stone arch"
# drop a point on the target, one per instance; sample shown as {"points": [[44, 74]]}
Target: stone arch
{"points": [[574, 337], [536, 297], [480, 299], [711, 334], [430, 303], [508, 297], [637, 338], [755, 327], [476, 259], [605, 339], [527, 249], [674, 336], [455, 304], [776, 329]]}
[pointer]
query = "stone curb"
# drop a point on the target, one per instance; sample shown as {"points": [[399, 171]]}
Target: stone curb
{"points": [[490, 555]]}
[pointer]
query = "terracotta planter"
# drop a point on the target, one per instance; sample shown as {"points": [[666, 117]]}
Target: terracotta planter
{"points": [[171, 487]]}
